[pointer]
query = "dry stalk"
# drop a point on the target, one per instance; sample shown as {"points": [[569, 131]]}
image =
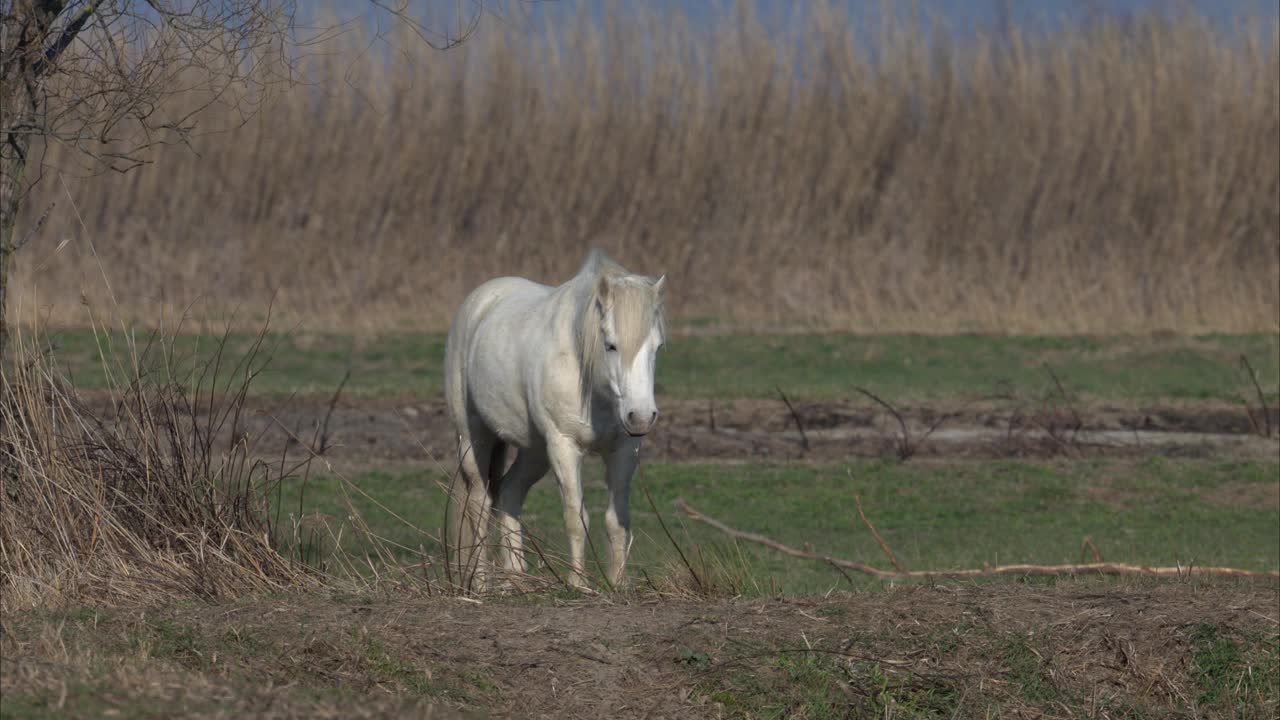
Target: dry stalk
{"points": [[697, 581]]}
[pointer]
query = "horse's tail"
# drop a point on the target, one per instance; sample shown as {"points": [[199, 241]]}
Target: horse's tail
{"points": [[497, 468]]}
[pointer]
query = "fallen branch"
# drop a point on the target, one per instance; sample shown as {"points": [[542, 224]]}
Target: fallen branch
{"points": [[1085, 569]]}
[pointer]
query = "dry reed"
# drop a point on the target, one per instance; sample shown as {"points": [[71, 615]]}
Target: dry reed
{"points": [[1105, 177]]}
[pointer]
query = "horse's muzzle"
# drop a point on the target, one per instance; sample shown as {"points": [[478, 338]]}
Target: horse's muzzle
{"points": [[637, 425]]}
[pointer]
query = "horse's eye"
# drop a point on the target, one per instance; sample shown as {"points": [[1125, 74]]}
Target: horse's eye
{"points": [[610, 347]]}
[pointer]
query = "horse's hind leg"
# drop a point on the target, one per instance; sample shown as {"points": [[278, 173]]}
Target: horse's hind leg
{"points": [[529, 467], [471, 506]]}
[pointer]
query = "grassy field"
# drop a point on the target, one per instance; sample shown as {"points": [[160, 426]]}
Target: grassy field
{"points": [[935, 515], [759, 634], [837, 207], [1120, 370]]}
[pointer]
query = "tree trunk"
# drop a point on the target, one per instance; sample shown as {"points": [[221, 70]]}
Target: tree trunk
{"points": [[13, 160], [25, 57]]}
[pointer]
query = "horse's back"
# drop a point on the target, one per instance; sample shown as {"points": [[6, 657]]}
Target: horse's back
{"points": [[485, 330], [511, 293]]}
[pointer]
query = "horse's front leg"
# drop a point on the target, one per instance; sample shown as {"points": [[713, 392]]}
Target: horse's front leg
{"points": [[566, 460], [620, 466], [529, 467]]}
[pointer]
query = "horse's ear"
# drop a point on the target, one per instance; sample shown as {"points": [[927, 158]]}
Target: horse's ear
{"points": [[660, 285], [602, 292]]}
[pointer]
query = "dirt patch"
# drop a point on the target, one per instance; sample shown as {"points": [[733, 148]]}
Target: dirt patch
{"points": [[364, 430], [947, 649]]}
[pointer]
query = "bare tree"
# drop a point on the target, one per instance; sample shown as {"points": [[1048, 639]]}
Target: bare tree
{"points": [[115, 78]]}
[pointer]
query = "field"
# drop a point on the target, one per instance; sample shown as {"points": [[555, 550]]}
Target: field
{"points": [[1020, 450], [939, 302]]}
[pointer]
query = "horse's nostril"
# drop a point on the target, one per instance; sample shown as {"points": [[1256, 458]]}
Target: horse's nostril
{"points": [[653, 417], [631, 417]]}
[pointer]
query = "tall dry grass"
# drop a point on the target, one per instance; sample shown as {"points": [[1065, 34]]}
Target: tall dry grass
{"points": [[150, 491], [1108, 176]]}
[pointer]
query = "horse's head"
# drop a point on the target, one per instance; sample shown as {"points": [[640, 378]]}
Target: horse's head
{"points": [[626, 320]]}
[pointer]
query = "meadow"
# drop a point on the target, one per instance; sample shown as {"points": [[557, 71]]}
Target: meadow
{"points": [[1115, 369], [938, 301], [368, 516]]}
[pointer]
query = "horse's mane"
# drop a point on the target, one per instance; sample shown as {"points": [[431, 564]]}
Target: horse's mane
{"points": [[636, 305]]}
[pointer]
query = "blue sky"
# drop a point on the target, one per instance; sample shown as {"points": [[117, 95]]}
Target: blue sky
{"points": [[959, 14], [963, 17]]}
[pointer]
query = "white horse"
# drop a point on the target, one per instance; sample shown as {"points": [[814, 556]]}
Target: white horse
{"points": [[556, 372]]}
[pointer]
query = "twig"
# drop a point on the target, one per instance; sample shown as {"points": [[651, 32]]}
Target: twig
{"points": [[905, 447], [1102, 568], [697, 580], [546, 562], [1262, 399], [857, 499], [937, 423], [333, 402], [1062, 392], [26, 237], [1088, 543], [1066, 399], [804, 439]]}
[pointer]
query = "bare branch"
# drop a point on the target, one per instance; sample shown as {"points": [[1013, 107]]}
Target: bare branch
{"points": [[1265, 431], [906, 448], [804, 438], [65, 38], [26, 238]]}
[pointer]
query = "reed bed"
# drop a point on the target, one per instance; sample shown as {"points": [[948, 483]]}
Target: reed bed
{"points": [[1102, 176]]}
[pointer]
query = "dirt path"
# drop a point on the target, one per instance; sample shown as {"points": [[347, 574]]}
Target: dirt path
{"points": [[953, 650], [756, 430]]}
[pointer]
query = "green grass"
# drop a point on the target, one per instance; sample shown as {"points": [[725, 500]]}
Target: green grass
{"points": [[934, 515], [913, 368], [1231, 674], [817, 685], [1224, 663]]}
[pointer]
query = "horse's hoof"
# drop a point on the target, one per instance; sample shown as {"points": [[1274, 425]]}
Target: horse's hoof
{"points": [[577, 582], [516, 583]]}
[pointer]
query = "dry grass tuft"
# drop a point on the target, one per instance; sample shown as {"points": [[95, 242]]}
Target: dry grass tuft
{"points": [[143, 505], [1111, 176]]}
